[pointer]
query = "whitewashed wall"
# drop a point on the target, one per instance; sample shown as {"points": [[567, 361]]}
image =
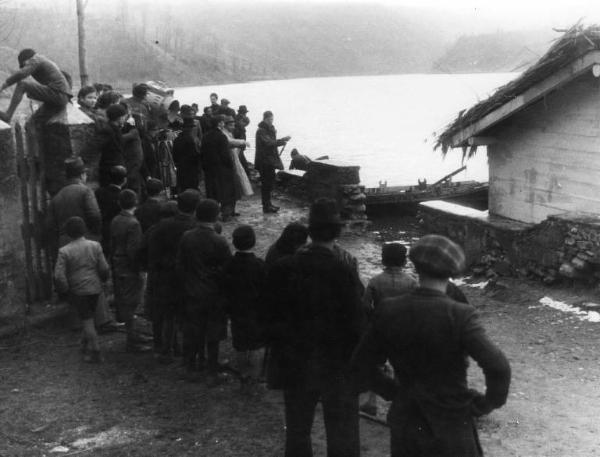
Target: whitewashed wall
{"points": [[547, 159]]}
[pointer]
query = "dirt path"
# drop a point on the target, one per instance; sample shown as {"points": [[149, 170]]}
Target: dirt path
{"points": [[133, 406]]}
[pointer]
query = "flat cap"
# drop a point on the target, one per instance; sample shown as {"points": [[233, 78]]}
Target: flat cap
{"points": [[438, 256]]}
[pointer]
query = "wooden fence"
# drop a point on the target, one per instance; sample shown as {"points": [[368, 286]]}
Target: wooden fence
{"points": [[34, 199]]}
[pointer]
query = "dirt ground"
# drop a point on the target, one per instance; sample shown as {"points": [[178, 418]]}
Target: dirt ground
{"points": [[51, 403]]}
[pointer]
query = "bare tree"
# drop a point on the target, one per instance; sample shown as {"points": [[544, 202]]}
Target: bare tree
{"points": [[83, 73]]}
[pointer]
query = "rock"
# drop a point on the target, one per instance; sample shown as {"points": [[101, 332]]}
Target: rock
{"points": [[567, 270], [569, 241], [579, 264], [550, 279]]}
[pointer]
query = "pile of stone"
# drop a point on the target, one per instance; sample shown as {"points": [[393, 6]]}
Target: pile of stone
{"points": [[353, 209], [580, 253]]}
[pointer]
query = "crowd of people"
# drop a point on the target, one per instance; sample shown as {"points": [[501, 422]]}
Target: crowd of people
{"points": [[180, 148], [300, 320]]}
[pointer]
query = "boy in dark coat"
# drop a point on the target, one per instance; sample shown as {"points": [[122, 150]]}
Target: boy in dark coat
{"points": [[427, 337], [125, 242], [393, 281], [201, 257], [244, 280], [148, 213], [164, 294], [108, 201]]}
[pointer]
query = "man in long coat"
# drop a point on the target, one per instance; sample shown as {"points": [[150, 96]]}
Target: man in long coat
{"points": [[314, 320], [218, 167], [267, 159], [427, 337]]}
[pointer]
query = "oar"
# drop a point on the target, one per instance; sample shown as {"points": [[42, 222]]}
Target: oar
{"points": [[281, 152]]}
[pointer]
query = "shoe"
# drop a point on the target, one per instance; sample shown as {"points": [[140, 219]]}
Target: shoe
{"points": [[270, 210], [276, 208], [236, 214]]}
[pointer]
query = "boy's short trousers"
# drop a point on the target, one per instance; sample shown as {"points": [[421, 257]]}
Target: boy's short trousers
{"points": [[85, 305]]}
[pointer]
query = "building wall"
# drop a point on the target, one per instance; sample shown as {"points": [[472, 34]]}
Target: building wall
{"points": [[547, 158]]}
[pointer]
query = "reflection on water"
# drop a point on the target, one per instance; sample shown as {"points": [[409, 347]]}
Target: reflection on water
{"points": [[382, 123]]}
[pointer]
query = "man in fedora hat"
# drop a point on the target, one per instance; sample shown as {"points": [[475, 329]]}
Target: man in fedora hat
{"points": [[427, 337], [315, 316], [225, 110], [50, 86]]}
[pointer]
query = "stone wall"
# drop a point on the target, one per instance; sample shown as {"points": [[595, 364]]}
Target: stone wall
{"points": [[562, 247], [12, 299]]}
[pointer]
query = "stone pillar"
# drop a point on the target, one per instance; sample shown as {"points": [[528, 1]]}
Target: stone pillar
{"points": [[69, 133], [324, 178], [340, 181], [12, 263]]}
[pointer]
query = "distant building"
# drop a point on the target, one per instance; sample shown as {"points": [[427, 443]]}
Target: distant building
{"points": [[542, 133]]}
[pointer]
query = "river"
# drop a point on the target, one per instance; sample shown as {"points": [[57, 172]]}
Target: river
{"points": [[385, 124]]}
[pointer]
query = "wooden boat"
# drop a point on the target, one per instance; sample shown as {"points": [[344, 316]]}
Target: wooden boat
{"points": [[405, 199]]}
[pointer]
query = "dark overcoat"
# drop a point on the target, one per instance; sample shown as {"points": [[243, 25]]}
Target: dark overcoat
{"points": [[164, 285], [218, 167], [112, 151], [314, 318], [201, 257], [186, 155], [244, 280], [267, 154], [427, 337]]}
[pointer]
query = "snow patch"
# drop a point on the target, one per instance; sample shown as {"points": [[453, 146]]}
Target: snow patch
{"points": [[590, 316], [463, 282]]}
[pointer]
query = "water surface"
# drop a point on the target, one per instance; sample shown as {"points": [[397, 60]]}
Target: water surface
{"points": [[382, 123]]}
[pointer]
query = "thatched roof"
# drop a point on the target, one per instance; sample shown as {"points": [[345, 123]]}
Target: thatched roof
{"points": [[575, 42]]}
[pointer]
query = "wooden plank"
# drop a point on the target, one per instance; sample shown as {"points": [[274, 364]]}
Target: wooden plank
{"points": [[534, 93], [35, 219], [26, 227], [45, 262]]}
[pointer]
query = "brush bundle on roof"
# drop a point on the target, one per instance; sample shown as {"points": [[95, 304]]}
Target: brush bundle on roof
{"points": [[575, 42]]}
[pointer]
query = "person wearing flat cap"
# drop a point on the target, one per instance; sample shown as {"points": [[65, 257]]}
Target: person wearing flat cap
{"points": [[427, 337], [315, 318]]}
